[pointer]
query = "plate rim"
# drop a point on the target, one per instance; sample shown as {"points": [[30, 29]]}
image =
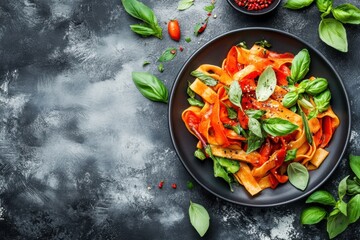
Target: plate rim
{"points": [[278, 31]]}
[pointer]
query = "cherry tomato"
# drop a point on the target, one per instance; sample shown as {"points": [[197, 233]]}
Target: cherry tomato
{"points": [[174, 29]]}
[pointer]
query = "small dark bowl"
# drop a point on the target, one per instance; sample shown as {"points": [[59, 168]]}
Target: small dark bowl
{"points": [[264, 11]]}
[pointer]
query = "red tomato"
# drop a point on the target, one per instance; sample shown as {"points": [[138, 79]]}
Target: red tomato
{"points": [[174, 29]]}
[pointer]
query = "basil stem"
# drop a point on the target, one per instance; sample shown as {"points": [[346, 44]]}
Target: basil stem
{"points": [[324, 5], [306, 125], [142, 12], [150, 86]]}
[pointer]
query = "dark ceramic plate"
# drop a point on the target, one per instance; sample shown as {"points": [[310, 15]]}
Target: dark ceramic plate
{"points": [[213, 53]]}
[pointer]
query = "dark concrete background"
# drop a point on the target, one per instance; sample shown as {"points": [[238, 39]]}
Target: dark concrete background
{"points": [[82, 152]]}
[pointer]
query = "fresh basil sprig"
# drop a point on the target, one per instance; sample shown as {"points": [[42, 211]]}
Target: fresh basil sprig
{"points": [[208, 80], [199, 218], [342, 214], [150, 26], [150, 86], [266, 84], [278, 126], [324, 5], [298, 175]]}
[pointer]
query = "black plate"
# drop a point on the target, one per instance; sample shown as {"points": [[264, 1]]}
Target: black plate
{"points": [[213, 53]]}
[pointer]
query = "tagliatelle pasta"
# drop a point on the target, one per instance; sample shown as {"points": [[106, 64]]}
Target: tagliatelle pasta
{"points": [[252, 140]]}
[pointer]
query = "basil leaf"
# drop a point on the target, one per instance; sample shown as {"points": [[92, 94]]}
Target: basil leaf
{"points": [[231, 166], [232, 114], [160, 67], [353, 187], [322, 100], [290, 99], [185, 4], [252, 113], [347, 13], [237, 129], [204, 78], [278, 126], [242, 44], [290, 155], [168, 55], [255, 127], [305, 103], [199, 154], [322, 197], [140, 11], [146, 63], [189, 185], [195, 102], [254, 142], [263, 43], [355, 164], [306, 126], [297, 4], [209, 8], [188, 39], [333, 33], [189, 91], [298, 175], [266, 84], [300, 65], [142, 29], [219, 171], [199, 218], [235, 93], [336, 224], [316, 86], [342, 206], [150, 86], [342, 187], [324, 5], [312, 215], [354, 209]]}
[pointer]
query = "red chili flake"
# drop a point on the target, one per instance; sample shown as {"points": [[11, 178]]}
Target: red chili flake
{"points": [[161, 184], [173, 51], [181, 48], [174, 186]]}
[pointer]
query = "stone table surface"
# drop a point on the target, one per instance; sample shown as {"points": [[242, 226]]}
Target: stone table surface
{"points": [[82, 151]]}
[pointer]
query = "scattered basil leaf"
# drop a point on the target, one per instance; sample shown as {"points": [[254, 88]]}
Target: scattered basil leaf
{"points": [[355, 164], [354, 209], [209, 8], [189, 185], [333, 33], [278, 126], [297, 4], [336, 224], [160, 67], [308, 134], [232, 114], [187, 39], [150, 86], [290, 99], [168, 55], [316, 86], [189, 91], [146, 63], [312, 215], [142, 12], [235, 93], [254, 142], [298, 175], [199, 154], [231, 166], [300, 65], [195, 102], [266, 84], [324, 5], [255, 127], [185, 4], [197, 28], [342, 187], [263, 43], [347, 13], [253, 113], [204, 78], [322, 197], [199, 218], [290, 155]]}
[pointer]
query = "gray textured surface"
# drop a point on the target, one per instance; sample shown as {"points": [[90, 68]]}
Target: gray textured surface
{"points": [[79, 145]]}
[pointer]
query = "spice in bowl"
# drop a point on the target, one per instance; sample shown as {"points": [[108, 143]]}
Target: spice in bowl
{"points": [[254, 5]]}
